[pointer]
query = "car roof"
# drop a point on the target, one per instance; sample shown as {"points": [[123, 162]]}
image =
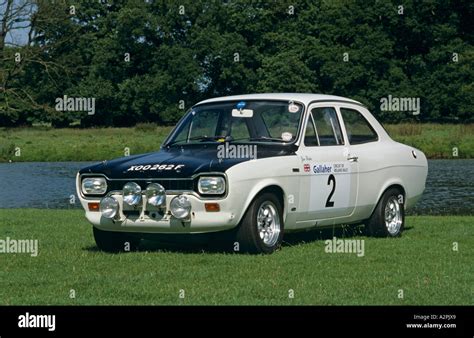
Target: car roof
{"points": [[304, 98]]}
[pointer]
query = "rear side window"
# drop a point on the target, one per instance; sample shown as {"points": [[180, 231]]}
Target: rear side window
{"points": [[358, 128]]}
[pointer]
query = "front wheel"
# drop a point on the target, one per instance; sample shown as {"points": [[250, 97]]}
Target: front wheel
{"points": [[388, 218], [261, 229], [110, 241]]}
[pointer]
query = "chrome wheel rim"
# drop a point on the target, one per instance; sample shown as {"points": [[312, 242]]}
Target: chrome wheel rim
{"points": [[393, 215], [268, 223]]}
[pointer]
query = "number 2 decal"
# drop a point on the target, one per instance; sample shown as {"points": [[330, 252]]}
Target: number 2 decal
{"points": [[332, 179]]}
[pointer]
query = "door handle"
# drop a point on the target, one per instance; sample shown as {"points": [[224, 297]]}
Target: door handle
{"points": [[353, 159]]}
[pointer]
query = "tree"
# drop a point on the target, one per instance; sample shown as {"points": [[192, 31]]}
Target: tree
{"points": [[33, 67], [14, 16], [148, 61]]}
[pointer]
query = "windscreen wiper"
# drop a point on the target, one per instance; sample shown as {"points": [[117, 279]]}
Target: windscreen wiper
{"points": [[198, 138], [266, 138], [260, 138]]}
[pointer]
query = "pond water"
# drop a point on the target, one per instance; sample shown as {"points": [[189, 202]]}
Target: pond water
{"points": [[449, 188]]}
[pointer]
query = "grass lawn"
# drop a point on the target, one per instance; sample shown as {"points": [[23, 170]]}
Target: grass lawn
{"points": [[422, 263], [42, 144], [436, 140], [49, 145]]}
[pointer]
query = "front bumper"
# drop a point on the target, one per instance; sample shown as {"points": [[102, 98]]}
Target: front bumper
{"points": [[146, 219]]}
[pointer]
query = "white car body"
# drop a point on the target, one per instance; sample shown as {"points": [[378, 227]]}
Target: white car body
{"points": [[362, 173]]}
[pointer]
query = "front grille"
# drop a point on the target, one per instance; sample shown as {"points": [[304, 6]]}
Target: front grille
{"points": [[129, 213], [168, 184]]}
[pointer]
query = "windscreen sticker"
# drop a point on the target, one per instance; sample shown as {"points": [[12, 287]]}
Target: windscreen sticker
{"points": [[286, 136], [293, 108]]}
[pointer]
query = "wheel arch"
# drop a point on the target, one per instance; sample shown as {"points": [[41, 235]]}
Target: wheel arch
{"points": [[271, 187], [389, 185]]}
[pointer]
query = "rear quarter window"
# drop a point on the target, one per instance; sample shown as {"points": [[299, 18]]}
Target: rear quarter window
{"points": [[358, 128]]}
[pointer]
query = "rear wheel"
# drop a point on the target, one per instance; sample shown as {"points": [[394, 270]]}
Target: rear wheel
{"points": [[261, 229], [111, 241], [388, 218]]}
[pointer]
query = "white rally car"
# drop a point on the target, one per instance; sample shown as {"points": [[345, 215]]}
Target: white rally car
{"points": [[257, 166]]}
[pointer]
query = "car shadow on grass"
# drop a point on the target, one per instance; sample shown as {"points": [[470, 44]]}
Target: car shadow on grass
{"points": [[347, 231], [303, 237], [185, 248], [210, 243], [183, 243]]}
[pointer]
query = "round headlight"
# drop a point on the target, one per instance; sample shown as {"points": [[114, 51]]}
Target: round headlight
{"points": [[180, 207], [109, 207], [156, 195], [132, 193]]}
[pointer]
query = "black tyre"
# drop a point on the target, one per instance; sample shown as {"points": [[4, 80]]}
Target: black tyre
{"points": [[261, 228], [388, 218], [110, 241]]}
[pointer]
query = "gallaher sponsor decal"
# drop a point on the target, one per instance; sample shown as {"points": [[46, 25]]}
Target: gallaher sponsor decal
{"points": [[322, 169], [157, 167]]}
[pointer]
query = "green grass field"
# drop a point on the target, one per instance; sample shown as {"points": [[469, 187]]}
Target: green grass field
{"points": [[422, 263], [49, 145], [436, 140], [45, 144]]}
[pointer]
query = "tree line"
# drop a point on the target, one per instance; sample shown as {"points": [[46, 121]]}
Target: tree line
{"points": [[149, 61]]}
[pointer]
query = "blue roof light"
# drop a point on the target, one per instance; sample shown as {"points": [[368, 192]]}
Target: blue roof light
{"points": [[241, 105]]}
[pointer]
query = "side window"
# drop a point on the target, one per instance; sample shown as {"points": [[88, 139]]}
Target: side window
{"points": [[357, 127], [328, 129]]}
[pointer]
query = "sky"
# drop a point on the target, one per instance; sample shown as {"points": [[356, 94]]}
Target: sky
{"points": [[16, 36]]}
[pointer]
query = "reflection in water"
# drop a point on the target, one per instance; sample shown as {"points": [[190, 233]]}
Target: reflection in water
{"points": [[449, 189]]}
